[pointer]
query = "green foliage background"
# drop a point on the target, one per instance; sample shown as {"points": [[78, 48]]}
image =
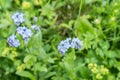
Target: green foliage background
{"points": [[95, 22]]}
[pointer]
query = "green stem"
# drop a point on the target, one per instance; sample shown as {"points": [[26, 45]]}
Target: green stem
{"points": [[80, 7]]}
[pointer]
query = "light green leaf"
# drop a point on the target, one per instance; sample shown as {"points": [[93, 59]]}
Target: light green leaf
{"points": [[42, 53], [50, 74], [82, 26], [39, 67], [36, 40], [27, 58], [26, 74], [100, 52], [84, 72]]}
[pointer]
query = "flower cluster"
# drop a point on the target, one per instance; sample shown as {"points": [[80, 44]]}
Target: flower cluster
{"points": [[76, 43], [99, 71], [18, 18], [25, 33], [35, 27], [12, 41], [64, 45]]}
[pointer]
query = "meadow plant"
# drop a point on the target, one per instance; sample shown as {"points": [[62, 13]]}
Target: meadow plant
{"points": [[64, 45], [18, 18], [59, 40]]}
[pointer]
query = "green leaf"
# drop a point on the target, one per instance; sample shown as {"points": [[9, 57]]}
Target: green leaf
{"points": [[49, 59], [40, 68], [43, 68], [6, 3], [42, 53], [111, 54], [104, 45], [117, 65], [27, 58], [26, 74], [82, 26], [36, 40], [84, 72], [112, 62], [72, 55], [50, 74], [2, 45], [100, 52]]}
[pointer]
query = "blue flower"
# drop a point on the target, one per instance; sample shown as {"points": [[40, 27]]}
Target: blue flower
{"points": [[25, 33], [35, 27], [12, 41], [35, 19], [18, 18], [64, 45], [76, 43]]}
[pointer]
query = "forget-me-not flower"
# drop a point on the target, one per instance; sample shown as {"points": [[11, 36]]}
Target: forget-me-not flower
{"points": [[35, 27], [35, 19], [64, 45], [76, 43], [25, 33], [12, 41], [18, 18]]}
